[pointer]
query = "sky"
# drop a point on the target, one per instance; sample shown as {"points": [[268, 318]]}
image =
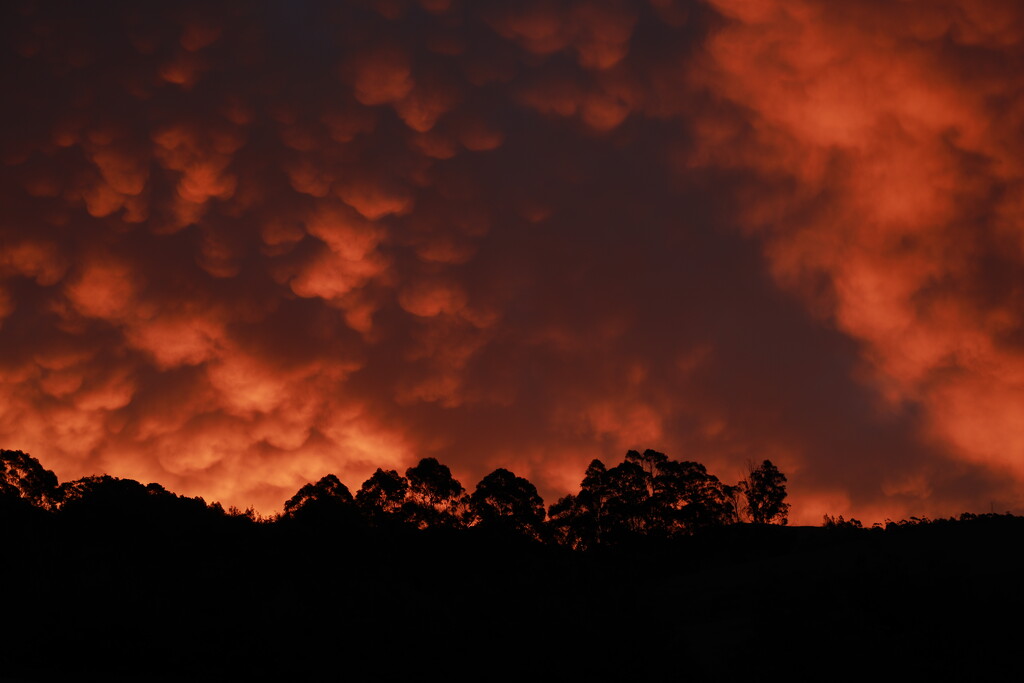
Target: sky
{"points": [[247, 244]]}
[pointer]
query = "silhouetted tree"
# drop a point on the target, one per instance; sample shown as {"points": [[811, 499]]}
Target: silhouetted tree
{"points": [[249, 514], [569, 524], [627, 504], [647, 494], [592, 503], [831, 522], [106, 500], [21, 476], [688, 499], [651, 462], [765, 491], [577, 521], [435, 497], [612, 503], [504, 501], [383, 494], [327, 499], [106, 493]]}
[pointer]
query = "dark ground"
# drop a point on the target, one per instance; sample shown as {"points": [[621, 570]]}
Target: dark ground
{"points": [[205, 598]]}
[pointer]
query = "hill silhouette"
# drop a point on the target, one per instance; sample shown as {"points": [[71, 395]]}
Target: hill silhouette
{"points": [[107, 578]]}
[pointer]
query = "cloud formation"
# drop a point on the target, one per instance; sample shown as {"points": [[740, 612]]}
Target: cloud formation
{"points": [[246, 245]]}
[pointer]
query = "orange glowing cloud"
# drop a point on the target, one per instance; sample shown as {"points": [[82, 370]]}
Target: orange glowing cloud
{"points": [[432, 298], [878, 115], [173, 341], [381, 75], [243, 247], [104, 288]]}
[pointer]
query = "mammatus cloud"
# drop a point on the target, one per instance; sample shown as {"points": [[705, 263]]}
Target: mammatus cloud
{"points": [[243, 246], [893, 133]]}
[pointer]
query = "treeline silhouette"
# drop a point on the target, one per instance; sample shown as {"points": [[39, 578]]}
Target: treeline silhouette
{"points": [[655, 570], [646, 495]]}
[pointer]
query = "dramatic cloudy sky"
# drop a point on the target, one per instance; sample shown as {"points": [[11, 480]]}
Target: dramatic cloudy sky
{"points": [[244, 244]]}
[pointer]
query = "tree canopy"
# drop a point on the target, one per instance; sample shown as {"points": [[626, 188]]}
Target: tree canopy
{"points": [[765, 491], [435, 497], [384, 493], [21, 476], [327, 499], [504, 501]]}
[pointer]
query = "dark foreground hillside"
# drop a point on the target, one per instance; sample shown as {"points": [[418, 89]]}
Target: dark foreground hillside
{"points": [[208, 597]]}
